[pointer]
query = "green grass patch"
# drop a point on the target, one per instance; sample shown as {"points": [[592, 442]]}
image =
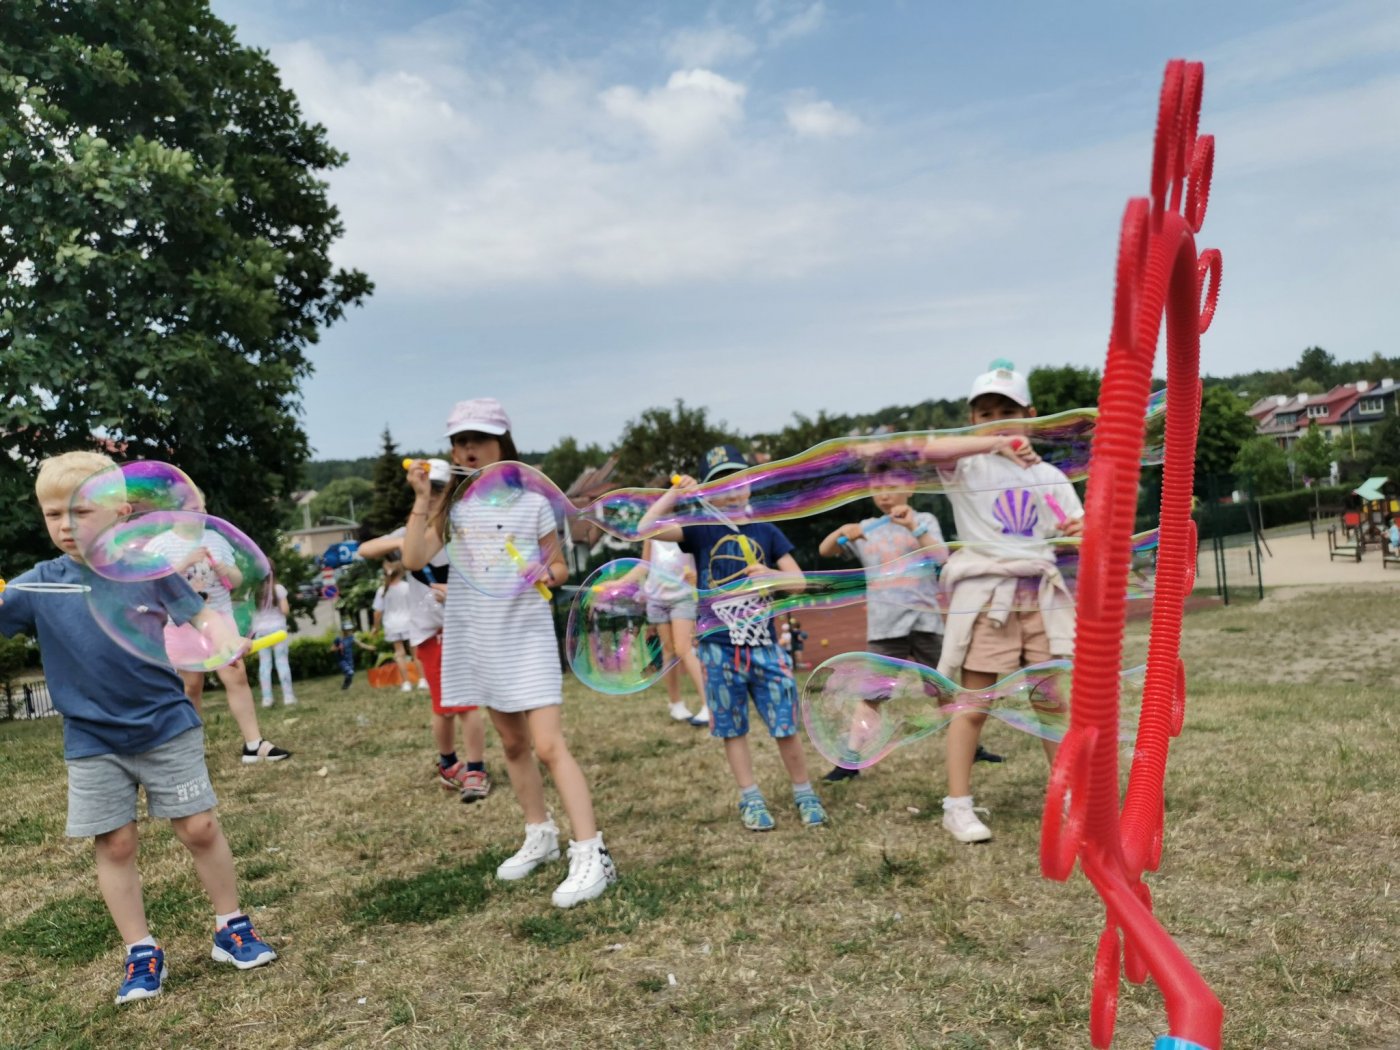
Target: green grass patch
{"points": [[442, 890]]}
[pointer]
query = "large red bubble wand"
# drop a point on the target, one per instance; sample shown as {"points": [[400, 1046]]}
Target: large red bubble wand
{"points": [[1159, 275]]}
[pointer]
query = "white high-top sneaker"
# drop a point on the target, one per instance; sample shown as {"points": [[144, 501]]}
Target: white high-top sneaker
{"points": [[541, 845], [591, 871]]}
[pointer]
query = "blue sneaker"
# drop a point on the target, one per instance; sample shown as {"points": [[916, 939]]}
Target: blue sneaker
{"points": [[810, 808], [145, 969], [754, 813], [239, 943]]}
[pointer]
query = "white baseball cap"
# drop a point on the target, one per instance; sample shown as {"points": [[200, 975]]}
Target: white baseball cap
{"points": [[1002, 378], [482, 414]]}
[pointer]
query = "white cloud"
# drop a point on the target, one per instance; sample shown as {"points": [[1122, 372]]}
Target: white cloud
{"points": [[695, 107], [788, 21], [711, 46], [819, 119]]}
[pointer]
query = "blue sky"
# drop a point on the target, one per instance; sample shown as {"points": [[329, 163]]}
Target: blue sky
{"points": [[586, 209]]}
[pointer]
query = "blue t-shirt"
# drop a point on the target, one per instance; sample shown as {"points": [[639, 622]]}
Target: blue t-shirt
{"points": [[720, 562], [112, 701]]}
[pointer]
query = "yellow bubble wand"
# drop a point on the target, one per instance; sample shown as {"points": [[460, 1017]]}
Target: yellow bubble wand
{"points": [[520, 563]]}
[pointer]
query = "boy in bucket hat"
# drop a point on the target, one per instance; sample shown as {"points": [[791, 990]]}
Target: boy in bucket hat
{"points": [[745, 562]]}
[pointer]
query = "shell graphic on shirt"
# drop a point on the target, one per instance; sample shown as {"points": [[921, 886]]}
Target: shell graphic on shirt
{"points": [[1016, 512]]}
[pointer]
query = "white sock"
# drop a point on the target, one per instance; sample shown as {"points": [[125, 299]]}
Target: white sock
{"points": [[220, 921], [949, 802], [596, 841], [252, 745], [148, 939]]}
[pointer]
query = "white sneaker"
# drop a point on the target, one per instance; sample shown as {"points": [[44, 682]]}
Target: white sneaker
{"points": [[701, 717], [679, 712], [591, 871], [960, 818], [541, 845], [289, 700], [423, 684], [267, 701], [406, 688]]}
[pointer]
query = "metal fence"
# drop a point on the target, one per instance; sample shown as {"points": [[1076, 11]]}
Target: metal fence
{"points": [[25, 700], [1230, 564]]}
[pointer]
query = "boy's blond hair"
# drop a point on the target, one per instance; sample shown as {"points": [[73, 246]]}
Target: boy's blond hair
{"points": [[59, 475]]}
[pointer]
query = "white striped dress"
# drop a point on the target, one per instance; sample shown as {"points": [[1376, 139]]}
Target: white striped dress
{"points": [[498, 652]]}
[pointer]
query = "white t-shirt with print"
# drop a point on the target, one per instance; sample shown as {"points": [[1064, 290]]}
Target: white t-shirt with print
{"points": [[1005, 509]]}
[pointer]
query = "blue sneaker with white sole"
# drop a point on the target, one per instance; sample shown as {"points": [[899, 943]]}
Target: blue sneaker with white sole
{"points": [[239, 943], [754, 813], [145, 969]]}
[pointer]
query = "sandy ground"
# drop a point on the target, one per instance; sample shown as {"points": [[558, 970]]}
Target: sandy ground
{"points": [[1300, 560]]}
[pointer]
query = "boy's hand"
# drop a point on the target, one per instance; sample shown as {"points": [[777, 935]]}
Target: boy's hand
{"points": [[1072, 527], [199, 554], [904, 515], [1018, 449], [852, 532], [765, 578]]}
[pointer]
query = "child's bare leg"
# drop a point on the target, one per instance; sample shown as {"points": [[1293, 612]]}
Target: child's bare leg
{"points": [[401, 658], [683, 634], [963, 734], [194, 689], [794, 759], [120, 882], [736, 750], [474, 736], [213, 860], [668, 655], [521, 766], [546, 727], [442, 733], [240, 700]]}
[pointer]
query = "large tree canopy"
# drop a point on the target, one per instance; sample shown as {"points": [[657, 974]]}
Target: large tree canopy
{"points": [[163, 252]]}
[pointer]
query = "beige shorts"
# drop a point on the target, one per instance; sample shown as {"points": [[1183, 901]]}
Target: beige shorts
{"points": [[1003, 650]]}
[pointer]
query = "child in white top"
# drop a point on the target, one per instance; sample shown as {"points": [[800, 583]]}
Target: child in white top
{"points": [[393, 614], [504, 653], [1008, 512], [271, 617]]}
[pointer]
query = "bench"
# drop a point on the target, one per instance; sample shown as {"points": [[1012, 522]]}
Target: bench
{"points": [[1338, 549]]}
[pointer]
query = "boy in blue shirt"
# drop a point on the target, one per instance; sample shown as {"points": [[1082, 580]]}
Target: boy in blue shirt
{"points": [[127, 724], [747, 560]]}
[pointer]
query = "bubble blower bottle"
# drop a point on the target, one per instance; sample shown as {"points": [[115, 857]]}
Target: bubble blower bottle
{"points": [[513, 552]]}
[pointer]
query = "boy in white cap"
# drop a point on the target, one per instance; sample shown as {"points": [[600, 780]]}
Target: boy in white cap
{"points": [[1007, 606]]}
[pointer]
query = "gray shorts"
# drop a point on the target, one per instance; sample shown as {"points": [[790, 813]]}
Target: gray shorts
{"points": [[665, 612], [102, 788]]}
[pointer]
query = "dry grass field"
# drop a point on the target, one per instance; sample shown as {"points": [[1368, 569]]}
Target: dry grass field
{"points": [[1281, 877]]}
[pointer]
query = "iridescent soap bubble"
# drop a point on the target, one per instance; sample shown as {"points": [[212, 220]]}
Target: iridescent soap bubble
{"points": [[125, 490], [859, 707], [609, 644], [178, 562], [494, 525]]}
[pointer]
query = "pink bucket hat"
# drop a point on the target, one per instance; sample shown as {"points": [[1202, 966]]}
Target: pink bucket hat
{"points": [[482, 414]]}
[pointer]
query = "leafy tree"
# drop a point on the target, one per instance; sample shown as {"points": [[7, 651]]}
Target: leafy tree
{"points": [[1060, 389], [664, 440], [1319, 366], [566, 461], [1384, 449], [164, 250], [343, 498], [1224, 429], [1261, 466], [391, 498], [1314, 452]]}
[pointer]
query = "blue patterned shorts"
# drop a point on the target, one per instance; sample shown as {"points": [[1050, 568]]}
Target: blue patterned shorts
{"points": [[734, 673]]}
